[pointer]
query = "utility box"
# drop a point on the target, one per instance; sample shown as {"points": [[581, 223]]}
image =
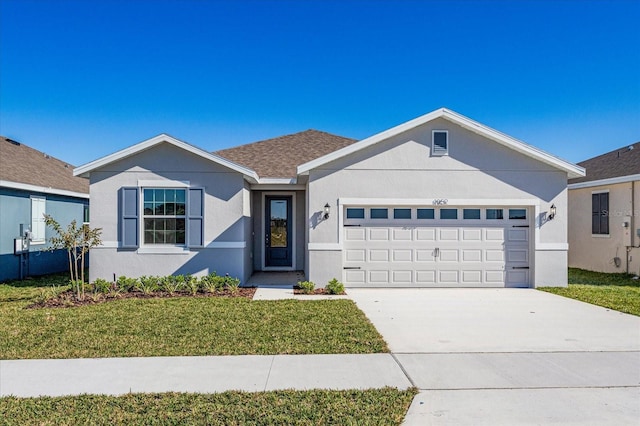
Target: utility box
{"points": [[626, 231]]}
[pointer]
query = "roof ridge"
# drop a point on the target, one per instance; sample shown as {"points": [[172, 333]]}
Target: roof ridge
{"points": [[281, 137]]}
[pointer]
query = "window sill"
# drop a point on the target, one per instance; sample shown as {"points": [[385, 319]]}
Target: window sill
{"points": [[37, 243], [601, 235], [163, 250]]}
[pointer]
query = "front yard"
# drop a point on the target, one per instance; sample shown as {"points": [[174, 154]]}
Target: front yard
{"points": [[178, 326], [615, 291]]}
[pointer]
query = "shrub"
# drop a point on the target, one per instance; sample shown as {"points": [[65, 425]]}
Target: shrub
{"points": [[306, 286], [192, 284], [171, 284], [335, 287], [126, 284], [212, 283], [147, 285], [101, 285], [233, 284]]}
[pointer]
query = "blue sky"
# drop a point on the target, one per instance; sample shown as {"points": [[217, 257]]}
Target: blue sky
{"points": [[82, 79]]}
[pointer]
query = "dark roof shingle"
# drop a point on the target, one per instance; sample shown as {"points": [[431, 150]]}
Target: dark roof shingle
{"points": [[619, 162], [22, 164], [279, 157]]}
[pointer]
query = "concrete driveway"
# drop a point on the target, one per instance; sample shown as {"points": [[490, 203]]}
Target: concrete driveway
{"points": [[509, 356]]}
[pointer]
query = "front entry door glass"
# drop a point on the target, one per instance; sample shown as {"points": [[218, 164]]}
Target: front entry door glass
{"points": [[278, 232]]}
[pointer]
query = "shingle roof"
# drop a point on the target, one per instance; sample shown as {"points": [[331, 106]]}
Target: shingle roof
{"points": [[22, 164], [279, 157], [619, 162]]}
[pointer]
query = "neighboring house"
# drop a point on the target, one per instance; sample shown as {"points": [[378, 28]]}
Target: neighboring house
{"points": [[604, 213], [33, 183], [439, 201]]}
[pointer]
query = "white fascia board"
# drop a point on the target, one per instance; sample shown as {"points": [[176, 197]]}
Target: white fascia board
{"points": [[571, 169], [602, 182], [278, 181], [450, 202], [86, 169], [43, 189]]}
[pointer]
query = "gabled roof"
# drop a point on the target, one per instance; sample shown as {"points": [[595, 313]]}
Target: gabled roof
{"points": [[22, 167], [615, 164], [494, 135], [279, 157], [86, 169]]}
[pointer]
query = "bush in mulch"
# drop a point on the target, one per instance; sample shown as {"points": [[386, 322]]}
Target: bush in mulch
{"points": [[308, 287], [146, 287]]}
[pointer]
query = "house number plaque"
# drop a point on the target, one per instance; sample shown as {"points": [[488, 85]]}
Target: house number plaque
{"points": [[440, 202]]}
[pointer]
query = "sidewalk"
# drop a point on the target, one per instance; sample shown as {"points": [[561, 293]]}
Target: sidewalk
{"points": [[208, 374]]}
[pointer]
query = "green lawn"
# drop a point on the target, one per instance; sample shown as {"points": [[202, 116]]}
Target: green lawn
{"points": [[614, 291], [378, 406], [179, 326]]}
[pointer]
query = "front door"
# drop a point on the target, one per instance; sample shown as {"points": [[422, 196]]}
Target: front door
{"points": [[278, 250]]}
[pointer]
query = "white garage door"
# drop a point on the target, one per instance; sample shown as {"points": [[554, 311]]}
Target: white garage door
{"points": [[436, 247]]}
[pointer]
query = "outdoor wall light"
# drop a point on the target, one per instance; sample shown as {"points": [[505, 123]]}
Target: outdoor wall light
{"points": [[552, 212], [327, 210]]}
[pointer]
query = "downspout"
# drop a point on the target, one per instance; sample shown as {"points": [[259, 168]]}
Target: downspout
{"points": [[632, 225]]}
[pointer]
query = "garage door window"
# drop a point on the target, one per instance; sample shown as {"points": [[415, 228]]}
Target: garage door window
{"points": [[495, 214], [379, 214], [402, 213], [426, 214], [448, 213], [355, 213], [471, 214], [517, 214]]}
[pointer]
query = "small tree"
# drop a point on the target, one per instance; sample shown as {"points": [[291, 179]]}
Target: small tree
{"points": [[77, 240]]}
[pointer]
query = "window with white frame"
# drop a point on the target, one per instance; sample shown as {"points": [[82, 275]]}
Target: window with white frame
{"points": [[439, 142], [164, 216], [38, 226]]}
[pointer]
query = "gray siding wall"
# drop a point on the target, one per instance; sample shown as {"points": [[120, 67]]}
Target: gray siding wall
{"points": [[402, 168], [227, 218], [15, 208]]}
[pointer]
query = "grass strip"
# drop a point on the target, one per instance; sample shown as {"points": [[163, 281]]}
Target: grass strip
{"points": [[614, 291], [317, 407]]}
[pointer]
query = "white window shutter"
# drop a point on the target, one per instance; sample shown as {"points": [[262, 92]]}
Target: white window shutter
{"points": [[38, 226]]}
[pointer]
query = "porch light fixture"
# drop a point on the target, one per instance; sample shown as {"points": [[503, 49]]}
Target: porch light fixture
{"points": [[552, 211], [327, 210]]}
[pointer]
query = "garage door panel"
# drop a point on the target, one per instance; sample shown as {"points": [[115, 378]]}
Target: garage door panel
{"points": [[355, 255], [518, 255], [423, 234], [494, 255], [448, 234], [472, 255], [425, 256], [518, 235], [471, 234], [517, 278], [471, 277], [402, 255], [426, 277], [451, 276], [379, 255], [354, 234], [402, 277], [448, 255], [402, 234], [378, 234], [379, 276], [494, 277], [494, 234], [355, 276]]}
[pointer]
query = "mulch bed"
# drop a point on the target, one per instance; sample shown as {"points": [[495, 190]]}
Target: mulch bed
{"points": [[317, 291], [68, 298]]}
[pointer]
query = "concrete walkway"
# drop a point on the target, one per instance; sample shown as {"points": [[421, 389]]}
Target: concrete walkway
{"points": [[208, 374]]}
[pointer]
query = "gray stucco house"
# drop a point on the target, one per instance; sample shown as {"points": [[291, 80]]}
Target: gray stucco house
{"points": [[438, 201], [33, 183]]}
